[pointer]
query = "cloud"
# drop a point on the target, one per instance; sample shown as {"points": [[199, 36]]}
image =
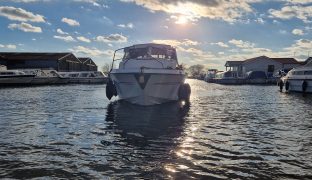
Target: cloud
{"points": [[303, 13], [301, 45], [19, 14], [241, 43], [93, 2], [297, 32], [83, 39], [8, 46], [129, 25], [70, 22], [298, 1], [112, 38], [65, 38], [25, 27], [194, 10], [91, 51], [60, 31], [176, 43], [221, 44]]}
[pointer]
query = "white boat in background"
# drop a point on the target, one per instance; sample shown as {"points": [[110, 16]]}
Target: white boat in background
{"points": [[14, 77], [298, 79], [45, 77], [148, 74], [3, 68], [85, 77], [228, 77]]}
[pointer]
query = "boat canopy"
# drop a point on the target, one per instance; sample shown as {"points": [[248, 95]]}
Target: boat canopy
{"points": [[150, 51]]}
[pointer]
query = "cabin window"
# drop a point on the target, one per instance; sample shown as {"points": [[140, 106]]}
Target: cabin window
{"points": [[150, 53], [299, 73], [307, 72]]}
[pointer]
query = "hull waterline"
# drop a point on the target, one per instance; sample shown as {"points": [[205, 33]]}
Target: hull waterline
{"points": [[147, 88]]}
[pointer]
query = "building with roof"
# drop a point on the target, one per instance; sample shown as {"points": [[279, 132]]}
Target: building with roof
{"points": [[262, 63], [87, 64], [63, 62]]}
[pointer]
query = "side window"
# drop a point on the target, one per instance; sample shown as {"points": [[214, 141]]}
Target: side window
{"points": [[270, 68], [307, 72]]}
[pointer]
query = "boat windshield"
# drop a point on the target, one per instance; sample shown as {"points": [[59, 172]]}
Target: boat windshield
{"points": [[150, 53]]}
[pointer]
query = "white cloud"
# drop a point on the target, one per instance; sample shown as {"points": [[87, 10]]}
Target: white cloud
{"points": [[303, 13], [25, 27], [129, 25], [65, 38], [70, 22], [297, 32], [260, 21], [60, 31], [241, 43], [19, 14], [190, 10], [298, 1], [221, 44], [83, 39], [93, 2], [176, 43], [8, 46], [91, 51], [112, 38], [301, 45]]}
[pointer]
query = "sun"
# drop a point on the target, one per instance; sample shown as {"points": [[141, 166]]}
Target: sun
{"points": [[182, 20]]}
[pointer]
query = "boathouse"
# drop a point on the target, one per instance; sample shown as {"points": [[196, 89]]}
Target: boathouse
{"points": [[263, 63], [63, 62], [87, 64]]}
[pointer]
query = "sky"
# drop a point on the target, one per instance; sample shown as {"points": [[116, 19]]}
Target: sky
{"points": [[208, 32]]}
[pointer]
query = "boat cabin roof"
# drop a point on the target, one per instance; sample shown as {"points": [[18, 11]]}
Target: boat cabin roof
{"points": [[163, 46]]}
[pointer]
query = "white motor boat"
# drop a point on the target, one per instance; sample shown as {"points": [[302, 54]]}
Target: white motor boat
{"points": [[148, 74], [43, 77], [14, 77], [85, 77], [298, 79]]}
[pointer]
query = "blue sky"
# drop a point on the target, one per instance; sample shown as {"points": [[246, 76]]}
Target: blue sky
{"points": [[207, 32]]}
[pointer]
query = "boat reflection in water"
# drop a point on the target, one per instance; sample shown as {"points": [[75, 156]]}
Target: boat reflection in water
{"points": [[148, 122], [143, 135]]}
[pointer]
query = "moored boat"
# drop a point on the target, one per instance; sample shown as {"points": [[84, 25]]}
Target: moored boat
{"points": [[298, 79], [148, 74], [14, 77], [85, 77]]}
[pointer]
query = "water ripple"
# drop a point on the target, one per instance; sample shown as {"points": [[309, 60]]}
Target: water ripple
{"points": [[226, 132]]}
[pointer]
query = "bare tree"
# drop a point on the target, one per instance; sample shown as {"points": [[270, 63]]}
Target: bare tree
{"points": [[196, 71], [106, 68]]}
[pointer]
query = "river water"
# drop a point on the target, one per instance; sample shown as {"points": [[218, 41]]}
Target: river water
{"points": [[236, 132]]}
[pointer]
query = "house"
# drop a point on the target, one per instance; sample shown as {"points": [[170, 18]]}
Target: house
{"points": [[87, 64], [262, 63], [309, 60], [62, 62]]}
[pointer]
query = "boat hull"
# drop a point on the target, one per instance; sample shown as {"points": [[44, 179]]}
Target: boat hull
{"points": [[91, 80], [16, 80], [44, 80], [147, 88], [295, 85]]}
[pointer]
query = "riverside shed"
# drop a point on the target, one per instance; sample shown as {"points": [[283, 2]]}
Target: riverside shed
{"points": [[63, 62]]}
